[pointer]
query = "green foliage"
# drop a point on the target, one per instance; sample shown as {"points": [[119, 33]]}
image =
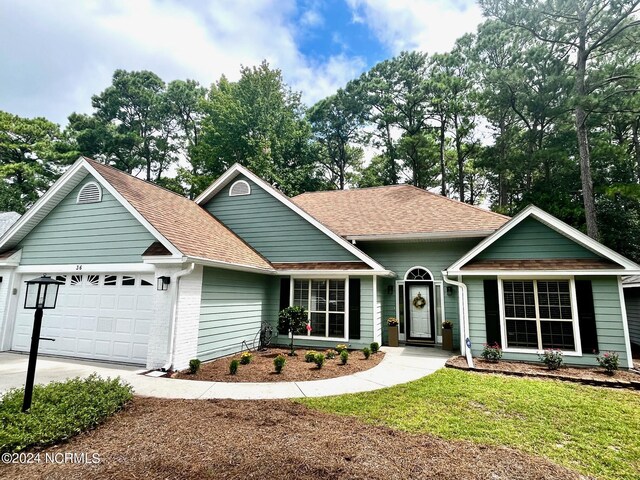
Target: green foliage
{"points": [[341, 347], [552, 358], [375, 346], [589, 429], [330, 354], [310, 356], [292, 320], [59, 411], [279, 362], [194, 366], [366, 351], [491, 352], [318, 359], [245, 358], [233, 366], [609, 361], [344, 357]]}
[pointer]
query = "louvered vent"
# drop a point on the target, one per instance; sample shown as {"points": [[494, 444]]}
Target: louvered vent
{"points": [[90, 193], [239, 188]]}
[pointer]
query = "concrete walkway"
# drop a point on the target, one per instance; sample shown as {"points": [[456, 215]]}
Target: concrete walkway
{"points": [[400, 365]]}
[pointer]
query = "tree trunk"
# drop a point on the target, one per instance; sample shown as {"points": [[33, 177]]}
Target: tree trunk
{"points": [[443, 172], [460, 159]]}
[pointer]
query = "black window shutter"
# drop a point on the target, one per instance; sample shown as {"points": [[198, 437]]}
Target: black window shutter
{"points": [[492, 311], [285, 295], [586, 317], [354, 309]]}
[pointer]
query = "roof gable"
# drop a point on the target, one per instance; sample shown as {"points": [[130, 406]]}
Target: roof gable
{"points": [[536, 236]]}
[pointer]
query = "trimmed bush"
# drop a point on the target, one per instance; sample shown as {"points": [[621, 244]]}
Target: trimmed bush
{"points": [[341, 347], [194, 366], [319, 360], [366, 351], [59, 410], [375, 347], [330, 354], [245, 358], [552, 358], [609, 361], [310, 356], [279, 362], [233, 366], [344, 357]]}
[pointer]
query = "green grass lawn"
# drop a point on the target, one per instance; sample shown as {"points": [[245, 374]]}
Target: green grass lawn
{"points": [[593, 430]]}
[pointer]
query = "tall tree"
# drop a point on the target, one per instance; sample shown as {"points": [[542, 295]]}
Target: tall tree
{"points": [[584, 30]]}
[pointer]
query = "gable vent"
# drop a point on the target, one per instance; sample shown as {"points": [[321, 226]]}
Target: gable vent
{"points": [[90, 193], [239, 188]]}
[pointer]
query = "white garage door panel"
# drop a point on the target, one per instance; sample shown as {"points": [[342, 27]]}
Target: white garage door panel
{"points": [[93, 319]]}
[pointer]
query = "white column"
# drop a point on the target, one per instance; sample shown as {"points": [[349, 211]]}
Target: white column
{"points": [[188, 318]]}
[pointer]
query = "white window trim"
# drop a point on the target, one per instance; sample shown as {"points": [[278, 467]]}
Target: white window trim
{"points": [[574, 314], [346, 308], [97, 185], [239, 194]]}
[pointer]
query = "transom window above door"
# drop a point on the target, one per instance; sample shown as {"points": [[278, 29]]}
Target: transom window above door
{"points": [[325, 303], [418, 273]]}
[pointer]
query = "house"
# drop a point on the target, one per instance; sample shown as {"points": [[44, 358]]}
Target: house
{"points": [[155, 279], [631, 286]]}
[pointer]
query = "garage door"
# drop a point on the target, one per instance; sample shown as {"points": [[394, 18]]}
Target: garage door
{"points": [[98, 316]]}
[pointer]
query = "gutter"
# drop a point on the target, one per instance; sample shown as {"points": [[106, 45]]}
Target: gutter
{"points": [[464, 317], [174, 314]]}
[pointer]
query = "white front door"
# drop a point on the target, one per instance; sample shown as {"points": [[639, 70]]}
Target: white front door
{"points": [[97, 316], [419, 311]]}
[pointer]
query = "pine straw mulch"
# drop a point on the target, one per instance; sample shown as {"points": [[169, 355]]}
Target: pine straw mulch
{"points": [[296, 369], [278, 439], [586, 375]]}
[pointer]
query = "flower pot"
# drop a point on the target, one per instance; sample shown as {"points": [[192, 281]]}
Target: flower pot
{"points": [[447, 339], [393, 336]]}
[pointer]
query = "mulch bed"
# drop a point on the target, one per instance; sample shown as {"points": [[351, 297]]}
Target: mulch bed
{"points": [[200, 439], [296, 369], [586, 375]]}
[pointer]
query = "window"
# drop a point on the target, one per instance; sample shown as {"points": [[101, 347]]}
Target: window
{"points": [[418, 273], [90, 193], [93, 279], [239, 188], [145, 283], [110, 280], [325, 302], [61, 278], [128, 281], [538, 314], [76, 280]]}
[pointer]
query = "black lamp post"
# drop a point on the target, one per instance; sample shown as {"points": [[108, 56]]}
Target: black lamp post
{"points": [[42, 293]]}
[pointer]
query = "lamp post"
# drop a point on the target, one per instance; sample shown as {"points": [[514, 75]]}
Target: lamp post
{"points": [[42, 293]]}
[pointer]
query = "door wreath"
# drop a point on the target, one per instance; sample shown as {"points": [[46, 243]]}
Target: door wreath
{"points": [[419, 301]]}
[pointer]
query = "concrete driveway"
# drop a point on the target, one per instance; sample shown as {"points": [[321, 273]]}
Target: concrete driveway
{"points": [[400, 365]]}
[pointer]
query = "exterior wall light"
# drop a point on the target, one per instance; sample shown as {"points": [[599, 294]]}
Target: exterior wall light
{"points": [[163, 283]]}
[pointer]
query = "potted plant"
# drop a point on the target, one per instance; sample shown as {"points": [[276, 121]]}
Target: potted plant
{"points": [[447, 335], [393, 331]]}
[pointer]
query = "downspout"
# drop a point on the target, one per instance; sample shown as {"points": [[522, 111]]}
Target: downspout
{"points": [[464, 317], [174, 313]]}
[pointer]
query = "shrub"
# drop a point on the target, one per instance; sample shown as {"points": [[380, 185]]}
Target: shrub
{"points": [[233, 366], [375, 346], [492, 353], [552, 358], [292, 320], [319, 360], [279, 362], [366, 351], [194, 366], [344, 357], [341, 347], [330, 354], [59, 411], [609, 361], [310, 356], [245, 358]]}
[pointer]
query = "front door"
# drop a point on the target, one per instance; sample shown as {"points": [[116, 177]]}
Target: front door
{"points": [[420, 312]]}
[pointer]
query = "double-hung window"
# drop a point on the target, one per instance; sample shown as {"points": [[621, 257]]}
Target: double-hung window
{"points": [[539, 314], [324, 301]]}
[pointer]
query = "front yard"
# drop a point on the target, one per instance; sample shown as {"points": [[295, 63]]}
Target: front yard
{"points": [[593, 430]]}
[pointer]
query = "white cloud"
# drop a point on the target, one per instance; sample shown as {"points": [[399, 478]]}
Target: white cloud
{"points": [[427, 25], [55, 55]]}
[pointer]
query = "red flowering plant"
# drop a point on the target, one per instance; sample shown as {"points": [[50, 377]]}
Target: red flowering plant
{"points": [[552, 358], [609, 361], [491, 352]]}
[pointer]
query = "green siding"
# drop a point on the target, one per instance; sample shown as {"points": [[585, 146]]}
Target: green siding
{"points": [[533, 240], [400, 257], [103, 232], [273, 229], [632, 300], [233, 306], [606, 300]]}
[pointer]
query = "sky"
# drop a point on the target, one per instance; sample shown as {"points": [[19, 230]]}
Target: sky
{"points": [[56, 54]]}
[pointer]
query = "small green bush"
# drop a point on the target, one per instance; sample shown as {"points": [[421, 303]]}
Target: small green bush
{"points": [[609, 361], [375, 346], [552, 358], [310, 356], [279, 362], [330, 354], [491, 352], [194, 366], [319, 360], [344, 357], [341, 347], [366, 351], [245, 358], [59, 410], [233, 366]]}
